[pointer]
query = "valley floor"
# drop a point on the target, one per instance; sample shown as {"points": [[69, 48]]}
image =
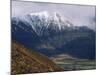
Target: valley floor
{"points": [[80, 64]]}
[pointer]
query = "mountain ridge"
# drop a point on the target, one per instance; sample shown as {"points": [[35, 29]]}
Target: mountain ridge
{"points": [[46, 37], [43, 20]]}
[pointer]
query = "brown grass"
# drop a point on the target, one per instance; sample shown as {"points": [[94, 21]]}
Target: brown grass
{"points": [[25, 61]]}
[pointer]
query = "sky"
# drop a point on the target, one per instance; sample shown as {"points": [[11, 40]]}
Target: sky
{"points": [[79, 15]]}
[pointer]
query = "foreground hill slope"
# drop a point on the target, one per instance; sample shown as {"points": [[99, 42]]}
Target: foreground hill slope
{"points": [[27, 61]]}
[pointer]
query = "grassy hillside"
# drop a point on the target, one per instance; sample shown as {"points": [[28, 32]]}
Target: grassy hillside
{"points": [[27, 61]]}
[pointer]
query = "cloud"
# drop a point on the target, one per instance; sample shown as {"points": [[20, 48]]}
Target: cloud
{"points": [[77, 14]]}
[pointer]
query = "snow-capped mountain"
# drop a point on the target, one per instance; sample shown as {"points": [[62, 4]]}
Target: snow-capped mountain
{"points": [[51, 33], [43, 21], [54, 17]]}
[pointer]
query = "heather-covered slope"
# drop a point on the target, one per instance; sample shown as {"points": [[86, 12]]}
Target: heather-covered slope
{"points": [[27, 61]]}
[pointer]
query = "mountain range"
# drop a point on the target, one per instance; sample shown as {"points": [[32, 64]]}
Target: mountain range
{"points": [[52, 34]]}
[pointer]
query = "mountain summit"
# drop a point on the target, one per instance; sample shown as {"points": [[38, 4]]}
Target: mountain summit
{"points": [[45, 21]]}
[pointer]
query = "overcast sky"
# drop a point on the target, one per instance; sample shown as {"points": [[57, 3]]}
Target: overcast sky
{"points": [[77, 14]]}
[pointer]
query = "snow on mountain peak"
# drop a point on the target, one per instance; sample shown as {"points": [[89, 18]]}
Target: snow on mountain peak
{"points": [[45, 20], [55, 17], [44, 13]]}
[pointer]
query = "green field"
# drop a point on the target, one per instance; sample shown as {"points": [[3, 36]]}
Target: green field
{"points": [[80, 64]]}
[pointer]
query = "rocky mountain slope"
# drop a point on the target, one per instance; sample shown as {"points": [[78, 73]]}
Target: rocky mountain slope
{"points": [[25, 61]]}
